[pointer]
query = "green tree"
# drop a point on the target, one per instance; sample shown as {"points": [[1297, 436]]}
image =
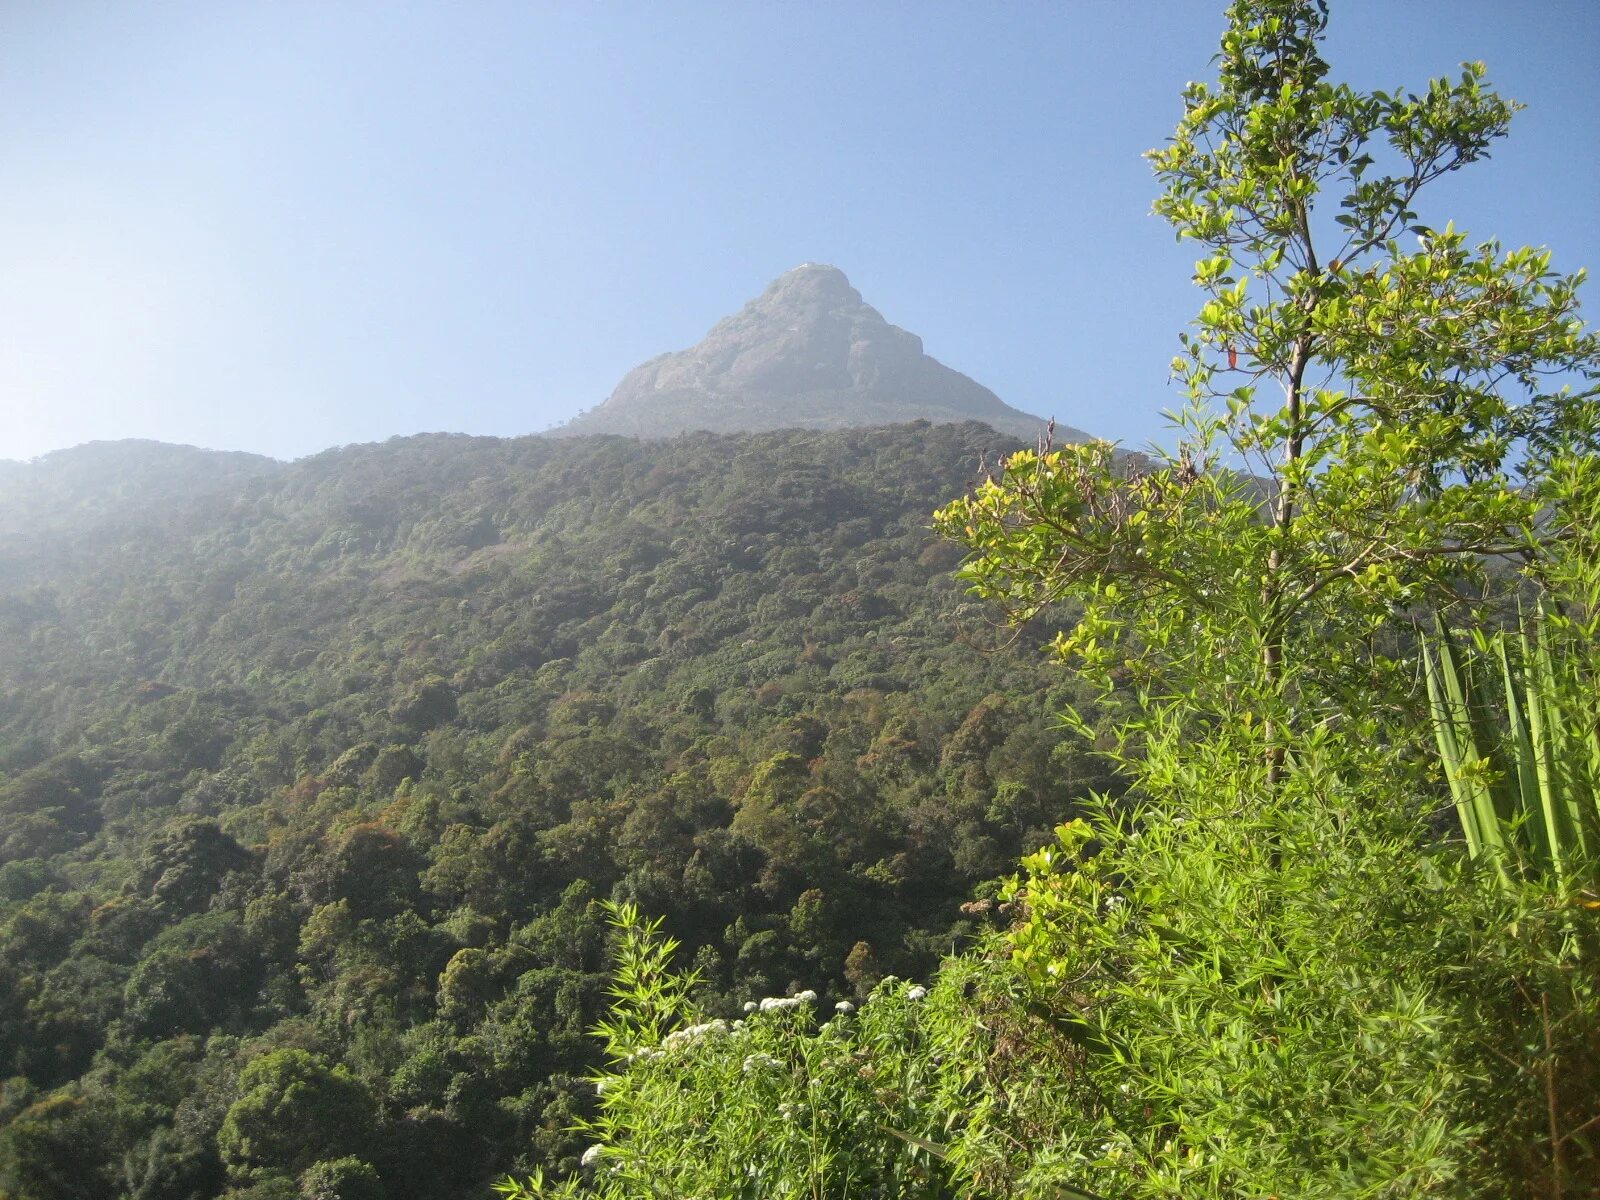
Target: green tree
{"points": [[48, 809], [341, 1179], [198, 974], [171, 1167], [1281, 991], [293, 1111], [1367, 421], [183, 864], [53, 1149]]}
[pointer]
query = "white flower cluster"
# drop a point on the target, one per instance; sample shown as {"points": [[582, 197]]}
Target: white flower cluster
{"points": [[755, 1062], [917, 993], [844, 1007], [786, 1003], [592, 1155], [692, 1032]]}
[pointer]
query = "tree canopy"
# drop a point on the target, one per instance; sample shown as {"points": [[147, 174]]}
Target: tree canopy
{"points": [[337, 758]]}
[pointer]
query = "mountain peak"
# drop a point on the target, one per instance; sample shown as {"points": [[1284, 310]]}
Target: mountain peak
{"points": [[808, 352], [813, 279]]}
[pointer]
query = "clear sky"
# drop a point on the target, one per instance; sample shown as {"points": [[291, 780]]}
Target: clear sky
{"points": [[283, 226]]}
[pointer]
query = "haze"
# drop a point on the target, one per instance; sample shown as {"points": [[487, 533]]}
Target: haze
{"points": [[282, 227]]}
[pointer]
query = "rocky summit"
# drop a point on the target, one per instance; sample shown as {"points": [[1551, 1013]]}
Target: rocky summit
{"points": [[807, 353]]}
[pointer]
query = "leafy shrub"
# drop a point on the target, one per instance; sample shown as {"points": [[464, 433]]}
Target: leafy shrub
{"points": [[793, 1098]]}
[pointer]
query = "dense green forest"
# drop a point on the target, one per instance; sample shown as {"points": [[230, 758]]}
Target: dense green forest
{"points": [[310, 775], [893, 813]]}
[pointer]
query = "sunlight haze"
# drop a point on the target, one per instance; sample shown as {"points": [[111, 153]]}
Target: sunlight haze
{"points": [[283, 227]]}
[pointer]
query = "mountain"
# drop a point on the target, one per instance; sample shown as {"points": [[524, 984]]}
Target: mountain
{"points": [[807, 353], [312, 772], [131, 480]]}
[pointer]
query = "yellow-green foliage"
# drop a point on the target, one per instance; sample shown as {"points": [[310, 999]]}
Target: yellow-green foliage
{"points": [[1261, 972], [1518, 720]]}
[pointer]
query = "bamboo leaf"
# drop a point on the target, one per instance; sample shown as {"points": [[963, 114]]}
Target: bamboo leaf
{"points": [[1463, 757], [1540, 834]]}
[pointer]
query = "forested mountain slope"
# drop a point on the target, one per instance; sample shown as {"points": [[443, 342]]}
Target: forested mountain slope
{"points": [[107, 484], [309, 772]]}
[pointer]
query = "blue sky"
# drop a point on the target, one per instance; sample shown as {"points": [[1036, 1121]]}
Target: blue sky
{"points": [[283, 226]]}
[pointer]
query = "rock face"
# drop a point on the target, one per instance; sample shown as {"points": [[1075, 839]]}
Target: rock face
{"points": [[807, 353]]}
